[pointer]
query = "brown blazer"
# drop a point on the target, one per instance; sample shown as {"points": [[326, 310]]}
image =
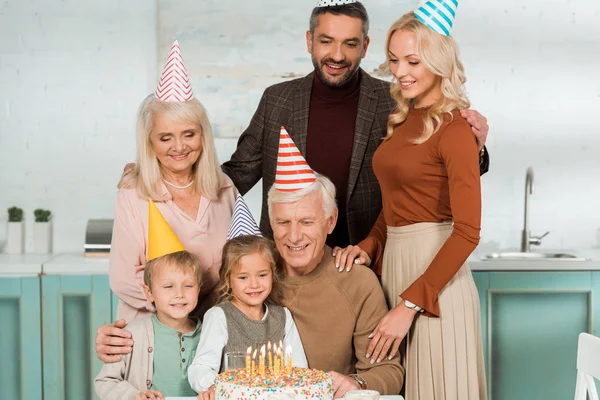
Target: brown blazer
{"points": [[288, 104]]}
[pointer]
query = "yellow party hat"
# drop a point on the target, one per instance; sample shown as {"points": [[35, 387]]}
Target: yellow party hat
{"points": [[161, 238]]}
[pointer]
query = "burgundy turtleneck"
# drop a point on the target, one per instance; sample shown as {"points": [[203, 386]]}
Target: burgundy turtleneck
{"points": [[331, 124]]}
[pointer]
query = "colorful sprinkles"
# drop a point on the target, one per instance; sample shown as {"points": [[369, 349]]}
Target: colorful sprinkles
{"points": [[310, 383]]}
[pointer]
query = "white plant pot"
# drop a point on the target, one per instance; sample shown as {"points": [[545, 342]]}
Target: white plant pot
{"points": [[42, 237], [15, 237]]}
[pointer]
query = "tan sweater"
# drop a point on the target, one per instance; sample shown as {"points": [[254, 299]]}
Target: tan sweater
{"points": [[431, 182], [123, 380], [335, 313]]}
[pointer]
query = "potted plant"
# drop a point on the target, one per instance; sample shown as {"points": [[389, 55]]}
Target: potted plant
{"points": [[15, 235], [42, 231]]}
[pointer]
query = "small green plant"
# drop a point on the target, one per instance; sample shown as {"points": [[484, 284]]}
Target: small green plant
{"points": [[15, 214], [42, 215]]}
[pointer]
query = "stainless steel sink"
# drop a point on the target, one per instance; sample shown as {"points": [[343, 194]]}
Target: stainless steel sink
{"points": [[532, 256]]}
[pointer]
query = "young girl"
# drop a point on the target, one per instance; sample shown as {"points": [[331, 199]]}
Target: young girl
{"points": [[248, 313]]}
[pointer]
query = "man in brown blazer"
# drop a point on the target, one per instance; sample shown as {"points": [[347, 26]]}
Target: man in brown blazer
{"points": [[336, 115]]}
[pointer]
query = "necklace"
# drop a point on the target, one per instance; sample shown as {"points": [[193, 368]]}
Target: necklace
{"points": [[178, 187]]}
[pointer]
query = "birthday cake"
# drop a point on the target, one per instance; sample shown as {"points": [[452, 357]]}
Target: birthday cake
{"points": [[304, 383]]}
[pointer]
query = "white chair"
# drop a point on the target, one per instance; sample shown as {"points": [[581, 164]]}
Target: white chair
{"points": [[588, 366]]}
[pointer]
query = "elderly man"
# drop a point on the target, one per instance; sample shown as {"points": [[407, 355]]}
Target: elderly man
{"points": [[335, 313]]}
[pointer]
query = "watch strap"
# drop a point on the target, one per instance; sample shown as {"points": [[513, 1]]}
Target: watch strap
{"points": [[359, 379]]}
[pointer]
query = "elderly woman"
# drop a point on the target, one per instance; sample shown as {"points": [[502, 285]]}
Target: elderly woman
{"points": [[177, 168]]}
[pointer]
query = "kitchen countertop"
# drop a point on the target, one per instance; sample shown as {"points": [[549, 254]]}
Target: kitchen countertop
{"points": [[78, 264], [13, 265], [592, 262]]}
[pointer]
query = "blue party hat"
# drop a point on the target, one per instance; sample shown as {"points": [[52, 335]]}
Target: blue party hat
{"points": [[438, 15], [242, 222]]}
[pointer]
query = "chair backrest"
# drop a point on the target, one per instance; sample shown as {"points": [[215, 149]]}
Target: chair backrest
{"points": [[588, 366]]}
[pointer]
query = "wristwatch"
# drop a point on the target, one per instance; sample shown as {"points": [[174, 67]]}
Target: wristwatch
{"points": [[412, 305], [361, 382]]}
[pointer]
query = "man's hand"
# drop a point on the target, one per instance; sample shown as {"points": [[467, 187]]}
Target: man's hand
{"points": [[390, 332], [207, 395], [112, 341], [149, 395], [342, 384], [478, 124], [128, 167], [346, 258]]}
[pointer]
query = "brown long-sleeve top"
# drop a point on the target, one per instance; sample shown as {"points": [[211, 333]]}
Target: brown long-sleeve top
{"points": [[435, 181], [335, 314]]}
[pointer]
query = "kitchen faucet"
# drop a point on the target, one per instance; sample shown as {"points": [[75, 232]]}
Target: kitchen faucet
{"points": [[526, 239]]}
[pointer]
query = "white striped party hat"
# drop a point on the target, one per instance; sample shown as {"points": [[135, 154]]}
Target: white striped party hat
{"points": [[293, 172], [174, 84], [242, 222], [331, 3], [438, 15]]}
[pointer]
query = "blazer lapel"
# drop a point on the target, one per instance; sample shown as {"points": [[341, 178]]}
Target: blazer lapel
{"points": [[367, 107], [299, 117]]}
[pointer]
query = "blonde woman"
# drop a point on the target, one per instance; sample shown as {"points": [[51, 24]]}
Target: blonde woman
{"points": [[177, 168], [428, 170]]}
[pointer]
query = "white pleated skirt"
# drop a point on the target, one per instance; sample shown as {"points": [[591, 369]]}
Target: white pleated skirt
{"points": [[443, 357]]}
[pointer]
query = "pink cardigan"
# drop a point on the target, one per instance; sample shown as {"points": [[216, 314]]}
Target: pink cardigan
{"points": [[203, 236]]}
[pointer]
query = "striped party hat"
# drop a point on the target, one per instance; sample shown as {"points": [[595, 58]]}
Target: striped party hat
{"points": [[174, 84], [331, 3], [161, 238], [293, 172], [438, 15], [242, 222]]}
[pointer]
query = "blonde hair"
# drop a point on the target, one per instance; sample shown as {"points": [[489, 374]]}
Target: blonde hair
{"points": [[239, 247], [147, 176], [182, 260], [439, 54], [322, 184]]}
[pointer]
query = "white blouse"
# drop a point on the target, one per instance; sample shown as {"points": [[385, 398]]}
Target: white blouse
{"points": [[209, 353]]}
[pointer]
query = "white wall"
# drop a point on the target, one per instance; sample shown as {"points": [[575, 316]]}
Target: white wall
{"points": [[72, 74]]}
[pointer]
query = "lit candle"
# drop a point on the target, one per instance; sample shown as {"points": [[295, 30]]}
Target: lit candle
{"points": [[254, 371], [249, 361], [277, 361], [261, 361], [281, 360], [270, 355], [288, 352]]}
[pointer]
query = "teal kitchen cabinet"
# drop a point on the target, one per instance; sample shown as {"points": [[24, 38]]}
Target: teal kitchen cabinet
{"points": [[76, 300], [530, 324], [20, 333]]}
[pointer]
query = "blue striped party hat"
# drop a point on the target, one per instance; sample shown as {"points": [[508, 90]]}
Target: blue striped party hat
{"points": [[438, 15], [242, 222]]}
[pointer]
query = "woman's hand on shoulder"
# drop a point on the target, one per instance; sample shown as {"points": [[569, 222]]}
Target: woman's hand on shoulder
{"points": [[208, 394], [149, 395], [346, 258], [112, 341]]}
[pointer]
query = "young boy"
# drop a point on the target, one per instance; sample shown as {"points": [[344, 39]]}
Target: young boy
{"points": [[164, 344]]}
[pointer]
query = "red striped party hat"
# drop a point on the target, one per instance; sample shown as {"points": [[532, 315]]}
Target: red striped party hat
{"points": [[174, 84], [293, 172]]}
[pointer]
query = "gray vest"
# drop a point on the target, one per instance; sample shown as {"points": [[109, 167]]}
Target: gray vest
{"points": [[244, 332]]}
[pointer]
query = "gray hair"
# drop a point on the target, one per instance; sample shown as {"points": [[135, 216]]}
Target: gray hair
{"points": [[322, 184], [354, 10]]}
